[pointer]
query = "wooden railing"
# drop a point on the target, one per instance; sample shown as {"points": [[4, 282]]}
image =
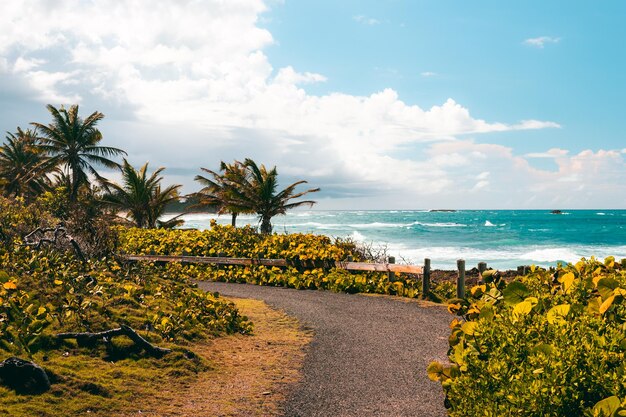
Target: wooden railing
{"points": [[347, 265], [391, 268]]}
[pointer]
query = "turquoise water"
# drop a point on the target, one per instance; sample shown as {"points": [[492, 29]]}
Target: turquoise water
{"points": [[502, 238]]}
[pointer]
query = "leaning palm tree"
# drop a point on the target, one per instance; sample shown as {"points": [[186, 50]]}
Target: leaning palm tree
{"points": [[256, 191], [72, 144], [141, 196], [23, 165], [218, 190]]}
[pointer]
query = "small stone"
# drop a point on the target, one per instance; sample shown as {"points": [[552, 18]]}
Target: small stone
{"points": [[266, 393]]}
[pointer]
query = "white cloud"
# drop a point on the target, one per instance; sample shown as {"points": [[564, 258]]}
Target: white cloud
{"points": [[366, 20], [535, 124], [428, 74], [185, 84], [541, 41], [288, 76], [23, 65], [551, 153]]}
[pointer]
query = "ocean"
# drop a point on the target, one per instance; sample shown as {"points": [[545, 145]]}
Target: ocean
{"points": [[504, 239]]}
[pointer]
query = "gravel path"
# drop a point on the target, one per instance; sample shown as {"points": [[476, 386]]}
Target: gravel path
{"points": [[368, 356]]}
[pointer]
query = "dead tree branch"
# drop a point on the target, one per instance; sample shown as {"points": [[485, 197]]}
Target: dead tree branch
{"points": [[51, 236], [88, 338]]}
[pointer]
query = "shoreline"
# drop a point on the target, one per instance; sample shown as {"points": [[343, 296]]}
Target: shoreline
{"points": [[504, 240]]}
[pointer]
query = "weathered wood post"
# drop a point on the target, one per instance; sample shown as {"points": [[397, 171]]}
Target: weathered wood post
{"points": [[521, 270], [426, 279], [391, 275], [460, 281], [482, 267]]}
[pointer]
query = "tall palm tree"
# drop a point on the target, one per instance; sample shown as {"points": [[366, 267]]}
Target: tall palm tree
{"points": [[23, 165], [219, 191], [141, 196], [72, 144], [257, 192]]}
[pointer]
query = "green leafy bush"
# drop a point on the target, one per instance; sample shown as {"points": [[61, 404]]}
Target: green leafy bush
{"points": [[552, 343], [47, 291]]}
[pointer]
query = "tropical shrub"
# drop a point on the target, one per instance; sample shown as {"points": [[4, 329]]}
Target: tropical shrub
{"points": [[551, 343], [47, 291]]}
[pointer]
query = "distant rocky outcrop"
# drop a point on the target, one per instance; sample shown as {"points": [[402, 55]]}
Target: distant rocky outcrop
{"points": [[556, 212]]}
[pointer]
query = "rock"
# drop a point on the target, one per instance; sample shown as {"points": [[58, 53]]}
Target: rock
{"points": [[23, 376], [556, 212]]}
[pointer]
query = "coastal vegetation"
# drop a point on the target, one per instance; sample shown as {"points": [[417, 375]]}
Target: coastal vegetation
{"points": [[47, 290], [550, 343]]}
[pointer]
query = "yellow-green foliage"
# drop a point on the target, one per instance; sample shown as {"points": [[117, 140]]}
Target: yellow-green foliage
{"points": [[305, 250], [552, 343], [45, 292], [242, 242]]}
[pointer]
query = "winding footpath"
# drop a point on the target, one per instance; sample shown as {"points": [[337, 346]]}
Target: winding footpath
{"points": [[368, 356]]}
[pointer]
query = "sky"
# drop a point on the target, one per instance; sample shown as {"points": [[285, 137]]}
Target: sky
{"points": [[387, 104]]}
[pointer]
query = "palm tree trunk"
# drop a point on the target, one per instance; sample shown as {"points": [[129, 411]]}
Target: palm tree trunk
{"points": [[266, 225], [234, 219], [74, 186]]}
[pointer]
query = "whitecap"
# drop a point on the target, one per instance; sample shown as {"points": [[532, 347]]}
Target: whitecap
{"points": [[489, 224], [439, 224], [359, 237], [551, 255], [375, 225]]}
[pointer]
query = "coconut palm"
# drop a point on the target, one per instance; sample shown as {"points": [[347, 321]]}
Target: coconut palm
{"points": [[141, 196], [22, 165], [72, 144], [256, 191], [220, 190]]}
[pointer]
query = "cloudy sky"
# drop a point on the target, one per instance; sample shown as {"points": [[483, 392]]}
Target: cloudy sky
{"points": [[383, 104]]}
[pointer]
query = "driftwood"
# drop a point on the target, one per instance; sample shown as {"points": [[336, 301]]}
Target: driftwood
{"points": [[88, 338], [50, 235]]}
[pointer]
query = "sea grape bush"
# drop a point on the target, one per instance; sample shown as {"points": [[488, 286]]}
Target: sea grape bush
{"points": [[551, 343], [309, 251], [47, 291], [242, 242]]}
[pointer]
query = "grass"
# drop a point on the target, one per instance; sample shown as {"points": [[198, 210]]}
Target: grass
{"points": [[235, 375]]}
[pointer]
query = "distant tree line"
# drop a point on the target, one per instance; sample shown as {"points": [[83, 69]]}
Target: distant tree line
{"points": [[61, 158]]}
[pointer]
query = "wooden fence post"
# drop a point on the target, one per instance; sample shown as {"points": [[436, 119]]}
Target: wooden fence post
{"points": [[521, 270], [460, 281], [482, 267], [426, 279], [391, 275]]}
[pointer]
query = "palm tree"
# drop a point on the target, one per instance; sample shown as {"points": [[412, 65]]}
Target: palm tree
{"points": [[219, 191], [23, 165], [72, 143], [256, 191], [141, 196]]}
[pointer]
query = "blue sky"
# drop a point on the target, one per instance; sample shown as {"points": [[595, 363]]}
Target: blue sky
{"points": [[474, 52], [383, 104]]}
